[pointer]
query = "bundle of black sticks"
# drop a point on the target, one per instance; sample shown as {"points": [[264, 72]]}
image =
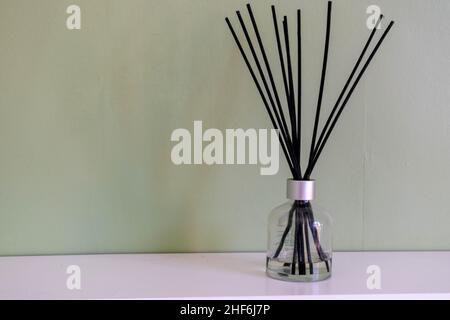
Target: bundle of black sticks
{"points": [[291, 140]]}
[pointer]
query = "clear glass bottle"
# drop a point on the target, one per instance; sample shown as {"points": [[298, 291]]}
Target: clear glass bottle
{"points": [[300, 237]]}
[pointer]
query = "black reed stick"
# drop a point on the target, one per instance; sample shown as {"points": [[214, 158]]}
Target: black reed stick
{"points": [[280, 54], [299, 89], [291, 103], [348, 97], [322, 82], [308, 250], [296, 253], [301, 242], [324, 130], [258, 86]]}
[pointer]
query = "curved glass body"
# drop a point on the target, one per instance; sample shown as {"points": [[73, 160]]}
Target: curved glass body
{"points": [[299, 242]]}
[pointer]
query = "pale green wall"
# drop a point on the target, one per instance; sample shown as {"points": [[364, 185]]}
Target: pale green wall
{"points": [[86, 118]]}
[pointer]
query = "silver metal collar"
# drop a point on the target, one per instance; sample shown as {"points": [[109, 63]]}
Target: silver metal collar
{"points": [[300, 189]]}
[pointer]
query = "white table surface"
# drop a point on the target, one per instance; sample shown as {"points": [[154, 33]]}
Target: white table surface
{"points": [[220, 275]]}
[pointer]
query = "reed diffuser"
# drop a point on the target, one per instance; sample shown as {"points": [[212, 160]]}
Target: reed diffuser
{"points": [[299, 231]]}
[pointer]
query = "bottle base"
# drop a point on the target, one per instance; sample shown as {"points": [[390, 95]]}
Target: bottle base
{"points": [[308, 272]]}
